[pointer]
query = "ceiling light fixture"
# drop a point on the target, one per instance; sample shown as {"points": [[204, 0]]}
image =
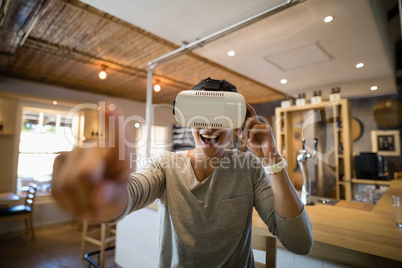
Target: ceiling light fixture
{"points": [[231, 53], [54, 102], [157, 87], [360, 65], [137, 125], [373, 88], [328, 19], [103, 74], [283, 81]]}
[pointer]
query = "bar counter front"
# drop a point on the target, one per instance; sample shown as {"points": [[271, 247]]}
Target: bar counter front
{"points": [[347, 233]]}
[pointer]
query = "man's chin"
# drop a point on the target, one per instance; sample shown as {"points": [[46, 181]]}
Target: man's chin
{"points": [[210, 149]]}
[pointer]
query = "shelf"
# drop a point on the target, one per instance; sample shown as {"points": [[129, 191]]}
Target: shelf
{"points": [[335, 112], [371, 182], [310, 106]]}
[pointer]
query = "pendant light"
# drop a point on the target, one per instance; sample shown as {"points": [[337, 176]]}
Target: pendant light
{"points": [[102, 73], [157, 87]]}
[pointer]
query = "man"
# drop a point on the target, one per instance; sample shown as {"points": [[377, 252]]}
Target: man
{"points": [[205, 196]]}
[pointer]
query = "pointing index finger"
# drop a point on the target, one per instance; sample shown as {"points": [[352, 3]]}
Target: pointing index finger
{"points": [[115, 136]]}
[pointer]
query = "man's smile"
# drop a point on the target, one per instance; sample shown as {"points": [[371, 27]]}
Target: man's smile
{"points": [[209, 138]]}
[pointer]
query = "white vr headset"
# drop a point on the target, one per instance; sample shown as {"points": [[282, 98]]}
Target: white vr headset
{"points": [[210, 109]]}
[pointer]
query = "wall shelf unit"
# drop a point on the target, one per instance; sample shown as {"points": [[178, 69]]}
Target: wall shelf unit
{"points": [[371, 182], [338, 114]]}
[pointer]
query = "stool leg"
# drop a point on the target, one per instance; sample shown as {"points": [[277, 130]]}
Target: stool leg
{"points": [[84, 234], [103, 245]]}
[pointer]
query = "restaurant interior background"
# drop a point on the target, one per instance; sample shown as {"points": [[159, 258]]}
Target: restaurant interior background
{"points": [[51, 52]]}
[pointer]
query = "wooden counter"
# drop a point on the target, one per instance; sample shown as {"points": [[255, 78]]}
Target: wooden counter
{"points": [[384, 204], [354, 237]]}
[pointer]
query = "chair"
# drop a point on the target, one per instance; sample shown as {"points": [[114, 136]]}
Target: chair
{"points": [[22, 212], [106, 234], [268, 244]]}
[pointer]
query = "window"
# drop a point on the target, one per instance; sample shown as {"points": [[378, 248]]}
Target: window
{"points": [[43, 135]]}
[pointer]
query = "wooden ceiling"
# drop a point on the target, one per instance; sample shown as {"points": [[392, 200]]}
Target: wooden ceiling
{"points": [[66, 43]]}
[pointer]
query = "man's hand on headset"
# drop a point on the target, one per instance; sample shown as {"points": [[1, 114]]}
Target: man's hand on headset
{"points": [[259, 138]]}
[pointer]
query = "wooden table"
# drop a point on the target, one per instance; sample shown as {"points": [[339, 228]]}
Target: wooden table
{"points": [[7, 199]]}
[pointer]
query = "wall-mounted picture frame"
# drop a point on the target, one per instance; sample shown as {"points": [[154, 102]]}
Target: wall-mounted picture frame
{"points": [[386, 142]]}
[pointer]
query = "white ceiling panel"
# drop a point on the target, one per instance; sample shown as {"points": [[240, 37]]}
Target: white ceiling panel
{"points": [[328, 52]]}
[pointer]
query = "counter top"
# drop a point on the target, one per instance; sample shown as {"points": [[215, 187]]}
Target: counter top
{"points": [[384, 204], [354, 237]]}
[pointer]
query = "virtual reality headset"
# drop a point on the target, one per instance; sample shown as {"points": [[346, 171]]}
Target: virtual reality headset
{"points": [[210, 109]]}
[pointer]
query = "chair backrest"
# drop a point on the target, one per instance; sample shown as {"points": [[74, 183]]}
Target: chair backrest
{"points": [[268, 244], [30, 198]]}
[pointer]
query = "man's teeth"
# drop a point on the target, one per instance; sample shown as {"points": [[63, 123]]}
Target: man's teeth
{"points": [[209, 136]]}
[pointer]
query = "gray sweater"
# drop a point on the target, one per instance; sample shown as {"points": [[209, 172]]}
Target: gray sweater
{"points": [[209, 223]]}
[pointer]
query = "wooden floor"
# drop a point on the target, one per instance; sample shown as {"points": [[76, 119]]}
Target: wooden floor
{"points": [[54, 247]]}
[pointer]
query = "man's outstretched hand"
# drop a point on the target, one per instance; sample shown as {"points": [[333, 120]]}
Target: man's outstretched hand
{"points": [[92, 183]]}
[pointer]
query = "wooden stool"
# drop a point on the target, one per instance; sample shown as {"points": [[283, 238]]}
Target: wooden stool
{"points": [[107, 235]]}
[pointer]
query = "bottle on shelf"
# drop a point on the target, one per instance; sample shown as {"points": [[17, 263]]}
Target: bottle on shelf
{"points": [[287, 102], [340, 148], [339, 124], [301, 100], [317, 98], [335, 94]]}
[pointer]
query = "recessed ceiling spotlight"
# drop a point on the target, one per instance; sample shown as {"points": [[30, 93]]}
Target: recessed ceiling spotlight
{"points": [[54, 102], [360, 65], [328, 19], [231, 53], [374, 88], [137, 125], [283, 81]]}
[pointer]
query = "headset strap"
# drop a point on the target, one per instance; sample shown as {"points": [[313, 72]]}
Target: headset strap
{"points": [[212, 84]]}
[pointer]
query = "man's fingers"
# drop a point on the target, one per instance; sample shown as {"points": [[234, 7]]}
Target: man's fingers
{"points": [[250, 111], [259, 129], [79, 175], [117, 163], [249, 124]]}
